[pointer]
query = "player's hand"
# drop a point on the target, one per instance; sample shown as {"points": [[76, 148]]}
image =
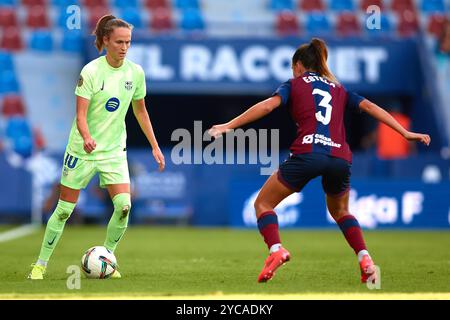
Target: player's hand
{"points": [[217, 130], [424, 138], [89, 145], [159, 157]]}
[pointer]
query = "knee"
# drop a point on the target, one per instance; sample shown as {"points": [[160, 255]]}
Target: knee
{"points": [[122, 204], [64, 210], [261, 206]]}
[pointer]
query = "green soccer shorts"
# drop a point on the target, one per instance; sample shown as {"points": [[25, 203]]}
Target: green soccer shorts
{"points": [[76, 172]]}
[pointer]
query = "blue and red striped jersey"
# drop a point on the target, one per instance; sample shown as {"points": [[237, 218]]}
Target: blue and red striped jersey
{"points": [[317, 107]]}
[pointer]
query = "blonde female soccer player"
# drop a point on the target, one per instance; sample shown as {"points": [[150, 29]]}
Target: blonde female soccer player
{"points": [[97, 142]]}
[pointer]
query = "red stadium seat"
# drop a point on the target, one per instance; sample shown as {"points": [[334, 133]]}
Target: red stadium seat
{"points": [[436, 24], [95, 14], [347, 24], [8, 18], [408, 24], [400, 6], [11, 39], [39, 140], [156, 4], [161, 20], [287, 24], [13, 106], [311, 5], [32, 3], [367, 3], [95, 3], [37, 17]]}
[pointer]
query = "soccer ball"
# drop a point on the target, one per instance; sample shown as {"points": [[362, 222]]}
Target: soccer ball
{"points": [[98, 263]]}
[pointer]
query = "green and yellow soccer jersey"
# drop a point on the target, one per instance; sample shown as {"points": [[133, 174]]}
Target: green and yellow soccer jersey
{"points": [[110, 91]]}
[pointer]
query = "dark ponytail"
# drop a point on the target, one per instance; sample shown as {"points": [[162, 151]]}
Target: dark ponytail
{"points": [[313, 56], [106, 25]]}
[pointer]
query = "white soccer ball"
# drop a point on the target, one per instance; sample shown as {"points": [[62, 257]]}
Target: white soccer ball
{"points": [[98, 263]]}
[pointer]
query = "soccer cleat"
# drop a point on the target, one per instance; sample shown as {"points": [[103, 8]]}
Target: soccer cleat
{"points": [[367, 269], [116, 275], [272, 263], [37, 273]]}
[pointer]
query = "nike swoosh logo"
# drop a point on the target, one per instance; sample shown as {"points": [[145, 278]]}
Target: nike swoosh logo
{"points": [[51, 242], [118, 239], [103, 85]]}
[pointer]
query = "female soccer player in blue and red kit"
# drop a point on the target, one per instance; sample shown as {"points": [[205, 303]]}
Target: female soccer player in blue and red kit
{"points": [[316, 102]]}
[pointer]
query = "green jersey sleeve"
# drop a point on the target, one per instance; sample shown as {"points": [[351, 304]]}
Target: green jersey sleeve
{"points": [[84, 86], [141, 89]]}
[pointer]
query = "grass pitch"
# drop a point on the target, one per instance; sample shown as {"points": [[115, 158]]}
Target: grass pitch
{"points": [[197, 263]]}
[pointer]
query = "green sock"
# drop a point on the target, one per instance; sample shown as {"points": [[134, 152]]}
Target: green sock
{"points": [[119, 220], [55, 227]]}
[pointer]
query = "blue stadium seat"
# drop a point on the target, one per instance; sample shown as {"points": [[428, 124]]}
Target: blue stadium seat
{"points": [[192, 20], [133, 16], [317, 23], [8, 82], [281, 5], [187, 4], [72, 41], [8, 2], [342, 5], [6, 61], [41, 41], [65, 3], [19, 132], [122, 4], [385, 27], [429, 6]]}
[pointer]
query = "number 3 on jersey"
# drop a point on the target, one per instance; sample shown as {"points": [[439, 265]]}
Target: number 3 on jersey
{"points": [[325, 103]]}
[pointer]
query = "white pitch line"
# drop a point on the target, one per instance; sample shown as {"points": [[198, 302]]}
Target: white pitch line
{"points": [[18, 232]]}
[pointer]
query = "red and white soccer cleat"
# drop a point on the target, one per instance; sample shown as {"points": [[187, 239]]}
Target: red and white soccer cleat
{"points": [[272, 263], [367, 269]]}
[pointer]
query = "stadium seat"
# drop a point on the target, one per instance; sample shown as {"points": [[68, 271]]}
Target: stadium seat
{"points": [[8, 82], [400, 6], [19, 132], [65, 3], [287, 24], [133, 16], [95, 13], [8, 2], [6, 61], [156, 4], [347, 24], [191, 20], [430, 6], [12, 106], [366, 3], [186, 4], [94, 3], [41, 40], [122, 4], [32, 3], [281, 5], [317, 23], [341, 5], [161, 20], [311, 5], [38, 139], [8, 17], [11, 39], [37, 17], [408, 24], [435, 24], [72, 41]]}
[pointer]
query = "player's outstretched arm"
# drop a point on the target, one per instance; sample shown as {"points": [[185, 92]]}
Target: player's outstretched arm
{"points": [[82, 108], [254, 113], [141, 114], [383, 116]]}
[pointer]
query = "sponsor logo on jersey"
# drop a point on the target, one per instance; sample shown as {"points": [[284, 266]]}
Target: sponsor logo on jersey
{"points": [[80, 81], [112, 104]]}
